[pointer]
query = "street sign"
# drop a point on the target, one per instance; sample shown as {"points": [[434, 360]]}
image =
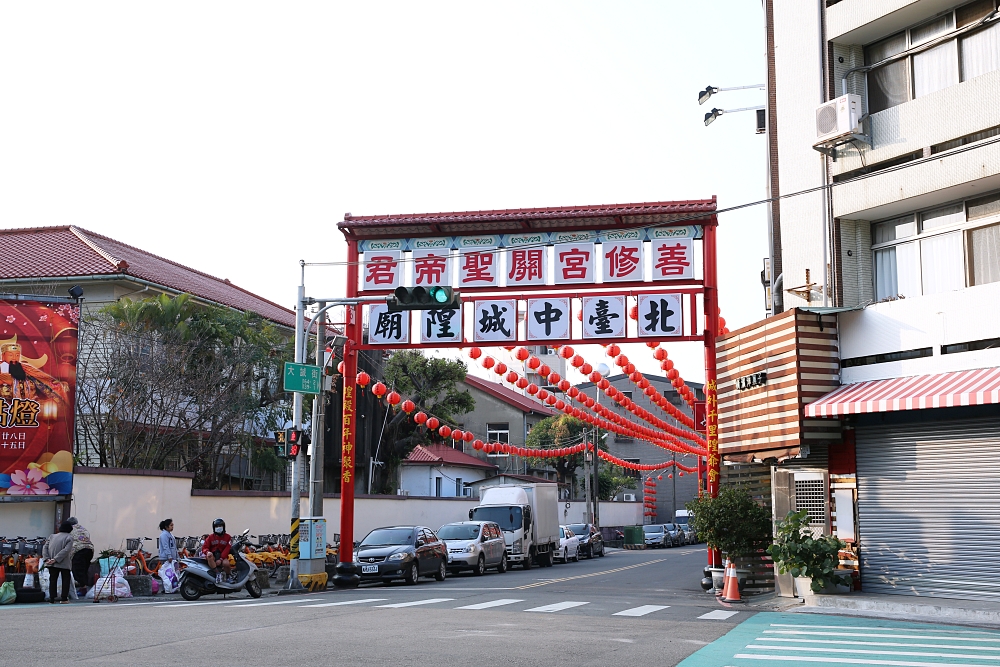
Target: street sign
{"points": [[700, 416], [302, 378]]}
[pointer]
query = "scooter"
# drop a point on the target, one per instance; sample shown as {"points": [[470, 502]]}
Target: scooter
{"points": [[197, 578]]}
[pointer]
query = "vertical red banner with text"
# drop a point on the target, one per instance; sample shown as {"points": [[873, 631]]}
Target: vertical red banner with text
{"points": [[38, 355]]}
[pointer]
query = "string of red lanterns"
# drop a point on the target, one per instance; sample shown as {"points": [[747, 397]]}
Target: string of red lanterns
{"points": [[645, 467], [635, 377]]}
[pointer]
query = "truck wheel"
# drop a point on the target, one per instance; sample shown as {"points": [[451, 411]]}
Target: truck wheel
{"points": [[545, 559], [526, 563]]}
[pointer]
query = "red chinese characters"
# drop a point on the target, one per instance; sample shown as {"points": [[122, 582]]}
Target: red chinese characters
{"points": [[431, 267], [622, 260], [673, 259], [381, 270], [478, 268], [574, 262], [526, 266]]}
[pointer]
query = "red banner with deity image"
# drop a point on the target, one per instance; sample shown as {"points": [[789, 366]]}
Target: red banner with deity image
{"points": [[38, 355]]}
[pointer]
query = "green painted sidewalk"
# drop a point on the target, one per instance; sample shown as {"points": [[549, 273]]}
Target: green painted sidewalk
{"points": [[814, 639]]}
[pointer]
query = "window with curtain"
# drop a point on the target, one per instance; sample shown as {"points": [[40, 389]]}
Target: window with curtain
{"points": [[887, 85], [942, 263], [897, 272], [984, 255], [981, 52], [935, 69], [942, 217]]}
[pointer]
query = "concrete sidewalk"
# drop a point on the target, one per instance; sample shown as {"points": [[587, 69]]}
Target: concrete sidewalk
{"points": [[899, 607]]}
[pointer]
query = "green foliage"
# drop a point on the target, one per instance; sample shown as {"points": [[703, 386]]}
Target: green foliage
{"points": [[732, 522], [554, 433], [434, 385], [797, 551], [612, 480]]}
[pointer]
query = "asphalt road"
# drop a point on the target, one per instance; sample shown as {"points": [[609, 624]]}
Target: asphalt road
{"points": [[631, 607]]}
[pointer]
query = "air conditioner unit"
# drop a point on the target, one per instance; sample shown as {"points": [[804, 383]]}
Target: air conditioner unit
{"points": [[628, 497], [838, 118]]}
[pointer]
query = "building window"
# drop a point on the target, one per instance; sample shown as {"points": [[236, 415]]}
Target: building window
{"points": [[437, 487], [634, 474], [627, 394], [458, 487], [939, 250], [940, 66], [498, 433]]}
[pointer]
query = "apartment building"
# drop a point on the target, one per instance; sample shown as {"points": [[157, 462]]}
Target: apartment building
{"points": [[884, 144]]}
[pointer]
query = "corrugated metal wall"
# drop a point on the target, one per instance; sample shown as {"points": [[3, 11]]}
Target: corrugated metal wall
{"points": [[928, 500]]}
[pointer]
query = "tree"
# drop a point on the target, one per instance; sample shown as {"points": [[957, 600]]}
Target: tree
{"points": [[434, 385], [168, 381], [612, 480], [554, 433], [733, 522]]}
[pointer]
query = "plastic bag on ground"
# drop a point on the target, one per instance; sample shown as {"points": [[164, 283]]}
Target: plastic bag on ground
{"points": [[168, 574], [43, 581], [29, 580], [110, 585], [7, 593]]}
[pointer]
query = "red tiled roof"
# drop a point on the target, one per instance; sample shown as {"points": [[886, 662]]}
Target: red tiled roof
{"points": [[443, 454], [67, 251], [525, 219], [509, 396]]}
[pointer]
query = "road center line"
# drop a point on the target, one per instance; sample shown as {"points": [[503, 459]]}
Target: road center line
{"points": [[592, 574]]}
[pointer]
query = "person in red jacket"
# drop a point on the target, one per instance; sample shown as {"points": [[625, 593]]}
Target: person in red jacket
{"points": [[216, 549]]}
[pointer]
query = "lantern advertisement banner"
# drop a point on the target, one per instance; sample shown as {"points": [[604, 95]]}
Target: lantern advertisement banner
{"points": [[38, 353]]}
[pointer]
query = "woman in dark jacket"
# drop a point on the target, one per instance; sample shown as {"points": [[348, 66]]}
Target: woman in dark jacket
{"points": [[58, 555]]}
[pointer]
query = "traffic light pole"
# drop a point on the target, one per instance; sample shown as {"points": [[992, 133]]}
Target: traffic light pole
{"points": [[297, 462]]}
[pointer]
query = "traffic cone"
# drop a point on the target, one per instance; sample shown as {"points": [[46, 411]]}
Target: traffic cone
{"points": [[731, 592], [725, 579]]}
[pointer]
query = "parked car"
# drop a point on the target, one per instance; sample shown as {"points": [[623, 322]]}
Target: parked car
{"points": [[401, 552], [474, 545], [569, 545], [675, 533], [689, 535], [655, 536], [591, 542]]}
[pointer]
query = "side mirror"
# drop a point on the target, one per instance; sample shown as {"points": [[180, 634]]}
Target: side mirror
{"points": [[420, 543], [470, 515]]}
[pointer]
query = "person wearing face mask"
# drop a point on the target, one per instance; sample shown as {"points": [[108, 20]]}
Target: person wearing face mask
{"points": [[216, 549]]}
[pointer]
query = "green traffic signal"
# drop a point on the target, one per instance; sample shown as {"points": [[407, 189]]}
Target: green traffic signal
{"points": [[421, 298], [440, 294]]}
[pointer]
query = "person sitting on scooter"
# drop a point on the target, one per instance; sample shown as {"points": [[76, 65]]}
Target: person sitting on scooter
{"points": [[216, 548]]}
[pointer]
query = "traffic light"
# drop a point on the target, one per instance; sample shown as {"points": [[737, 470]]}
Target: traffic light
{"points": [[290, 441], [279, 444], [424, 298]]}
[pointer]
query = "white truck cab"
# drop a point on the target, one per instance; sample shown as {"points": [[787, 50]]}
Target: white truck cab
{"points": [[528, 514]]}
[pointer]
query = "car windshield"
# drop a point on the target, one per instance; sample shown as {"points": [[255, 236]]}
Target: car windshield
{"points": [[459, 531], [578, 528], [385, 537], [670, 526], [652, 529], [509, 518]]}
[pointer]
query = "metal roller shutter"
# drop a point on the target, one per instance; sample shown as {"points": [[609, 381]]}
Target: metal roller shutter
{"points": [[928, 501]]}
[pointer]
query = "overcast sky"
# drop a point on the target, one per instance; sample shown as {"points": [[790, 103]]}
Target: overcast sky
{"points": [[233, 136]]}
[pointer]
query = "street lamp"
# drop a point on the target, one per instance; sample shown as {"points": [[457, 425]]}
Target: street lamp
{"points": [[715, 113], [704, 95]]}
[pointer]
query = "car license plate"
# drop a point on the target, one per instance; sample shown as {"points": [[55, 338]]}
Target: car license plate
{"points": [[369, 569]]}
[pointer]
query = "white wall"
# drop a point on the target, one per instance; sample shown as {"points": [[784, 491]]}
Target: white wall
{"points": [[419, 479], [21, 519], [611, 513], [926, 321]]}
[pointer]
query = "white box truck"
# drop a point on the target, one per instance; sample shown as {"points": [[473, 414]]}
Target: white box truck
{"points": [[529, 517]]}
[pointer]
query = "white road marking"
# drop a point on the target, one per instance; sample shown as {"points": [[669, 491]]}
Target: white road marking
{"points": [[877, 627], [189, 604], [642, 611], [870, 652], [265, 604], [399, 605], [854, 642], [558, 606], [718, 615], [487, 605], [879, 635], [339, 604], [851, 661]]}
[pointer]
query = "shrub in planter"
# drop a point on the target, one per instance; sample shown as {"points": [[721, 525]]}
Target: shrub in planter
{"points": [[798, 552], [733, 522]]}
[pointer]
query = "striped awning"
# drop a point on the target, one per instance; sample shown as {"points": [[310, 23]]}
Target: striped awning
{"points": [[942, 390]]}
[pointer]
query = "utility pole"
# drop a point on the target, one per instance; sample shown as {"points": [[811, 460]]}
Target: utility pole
{"points": [[597, 482], [316, 468], [297, 462], [588, 518]]}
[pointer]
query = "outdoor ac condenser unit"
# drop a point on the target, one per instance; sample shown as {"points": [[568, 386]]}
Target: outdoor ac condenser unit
{"points": [[838, 118], [628, 497]]}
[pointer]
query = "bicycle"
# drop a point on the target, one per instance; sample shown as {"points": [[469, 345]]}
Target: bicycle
{"points": [[139, 561]]}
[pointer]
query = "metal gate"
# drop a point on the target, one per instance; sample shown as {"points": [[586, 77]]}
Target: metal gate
{"points": [[929, 508]]}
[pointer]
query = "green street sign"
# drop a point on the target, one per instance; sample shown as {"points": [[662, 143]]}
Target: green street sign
{"points": [[302, 378]]}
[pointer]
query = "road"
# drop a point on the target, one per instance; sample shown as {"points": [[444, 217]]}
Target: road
{"points": [[631, 607]]}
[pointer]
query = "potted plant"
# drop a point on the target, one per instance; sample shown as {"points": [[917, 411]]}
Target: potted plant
{"points": [[797, 551], [733, 523]]}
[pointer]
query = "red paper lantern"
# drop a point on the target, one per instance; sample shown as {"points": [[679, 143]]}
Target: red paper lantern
{"points": [[420, 417], [444, 431], [488, 362], [613, 350], [659, 354], [572, 392], [408, 406], [475, 353], [477, 445], [577, 361], [542, 394], [659, 477], [393, 398], [522, 383], [554, 378], [534, 363], [560, 405], [363, 379], [511, 377], [629, 368], [672, 374], [621, 360], [457, 434], [586, 369], [509, 348], [433, 423], [652, 345], [722, 322], [500, 369], [488, 448], [469, 437], [666, 365], [603, 383], [680, 474], [379, 389], [565, 352], [579, 315], [544, 370], [532, 389], [550, 399], [670, 476], [563, 385], [649, 391], [643, 382], [522, 354]]}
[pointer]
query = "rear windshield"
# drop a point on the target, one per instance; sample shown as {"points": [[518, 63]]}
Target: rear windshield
{"points": [[652, 529], [578, 528], [459, 531], [384, 537]]}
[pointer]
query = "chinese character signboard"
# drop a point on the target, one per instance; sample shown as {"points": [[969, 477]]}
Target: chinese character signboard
{"points": [[432, 267], [574, 262], [659, 315], [382, 269], [622, 261], [38, 349], [673, 259], [385, 328], [603, 316], [548, 319], [440, 326], [302, 378], [495, 321]]}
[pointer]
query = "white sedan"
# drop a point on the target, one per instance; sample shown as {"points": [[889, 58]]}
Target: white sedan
{"points": [[569, 545]]}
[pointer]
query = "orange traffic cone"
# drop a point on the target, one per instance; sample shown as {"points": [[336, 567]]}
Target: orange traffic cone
{"points": [[725, 579], [731, 592]]}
